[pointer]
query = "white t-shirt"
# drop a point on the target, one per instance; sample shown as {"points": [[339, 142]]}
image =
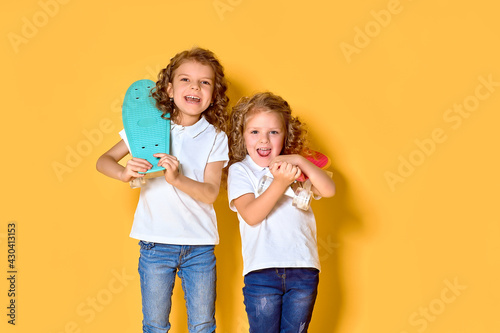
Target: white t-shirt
{"points": [[167, 215], [286, 237]]}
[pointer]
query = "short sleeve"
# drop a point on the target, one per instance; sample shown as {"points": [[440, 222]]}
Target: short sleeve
{"points": [[238, 183], [220, 150], [124, 138]]}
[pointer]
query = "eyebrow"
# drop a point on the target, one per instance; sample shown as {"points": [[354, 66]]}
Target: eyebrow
{"points": [[269, 128], [202, 78]]}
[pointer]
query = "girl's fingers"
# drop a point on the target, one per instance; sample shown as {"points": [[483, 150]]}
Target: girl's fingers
{"points": [[165, 161], [165, 158], [170, 165], [139, 168], [162, 155], [137, 175], [298, 173], [139, 162], [287, 168]]}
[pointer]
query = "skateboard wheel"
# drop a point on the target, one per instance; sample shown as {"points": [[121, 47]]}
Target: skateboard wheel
{"points": [[264, 184], [302, 199], [137, 182]]}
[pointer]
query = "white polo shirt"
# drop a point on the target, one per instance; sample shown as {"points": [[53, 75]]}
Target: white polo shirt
{"points": [[286, 237], [167, 215]]}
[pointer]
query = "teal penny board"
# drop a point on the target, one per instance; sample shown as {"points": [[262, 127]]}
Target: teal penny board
{"points": [[147, 132]]}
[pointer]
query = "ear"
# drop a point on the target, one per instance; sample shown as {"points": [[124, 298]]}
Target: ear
{"points": [[170, 90]]}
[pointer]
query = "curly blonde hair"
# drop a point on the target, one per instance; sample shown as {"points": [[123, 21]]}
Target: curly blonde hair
{"points": [[295, 131], [216, 113]]}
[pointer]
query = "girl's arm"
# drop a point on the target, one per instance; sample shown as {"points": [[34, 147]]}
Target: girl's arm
{"points": [[206, 191], [322, 184], [108, 164], [254, 210]]}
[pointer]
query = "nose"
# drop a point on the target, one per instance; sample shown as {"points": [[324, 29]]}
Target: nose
{"points": [[195, 85], [264, 137]]}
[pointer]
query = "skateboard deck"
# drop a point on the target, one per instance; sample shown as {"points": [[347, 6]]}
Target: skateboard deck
{"points": [[318, 159], [147, 132]]}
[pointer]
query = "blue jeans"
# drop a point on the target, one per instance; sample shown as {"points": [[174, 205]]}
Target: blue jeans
{"points": [[195, 266], [280, 300]]}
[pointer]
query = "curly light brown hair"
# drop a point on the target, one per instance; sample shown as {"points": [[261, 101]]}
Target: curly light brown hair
{"points": [[216, 113], [246, 107]]}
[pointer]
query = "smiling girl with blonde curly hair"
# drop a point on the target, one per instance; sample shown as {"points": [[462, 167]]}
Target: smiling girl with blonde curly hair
{"points": [[295, 139], [175, 220], [216, 113], [280, 254]]}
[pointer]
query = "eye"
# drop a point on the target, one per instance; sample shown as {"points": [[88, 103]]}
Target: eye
{"points": [[205, 82], [185, 79], [274, 132], [254, 132]]}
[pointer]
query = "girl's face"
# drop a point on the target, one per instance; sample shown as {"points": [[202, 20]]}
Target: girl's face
{"points": [[264, 136], [191, 88]]}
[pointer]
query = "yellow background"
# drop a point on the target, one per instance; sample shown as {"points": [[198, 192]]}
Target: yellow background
{"points": [[405, 248]]}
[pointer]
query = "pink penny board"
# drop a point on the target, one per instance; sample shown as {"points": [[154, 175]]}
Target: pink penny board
{"points": [[318, 159]]}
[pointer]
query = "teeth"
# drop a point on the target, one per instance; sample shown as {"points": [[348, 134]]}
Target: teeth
{"points": [[193, 97]]}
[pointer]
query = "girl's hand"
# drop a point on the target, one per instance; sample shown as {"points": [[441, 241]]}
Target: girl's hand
{"points": [[255, 209], [322, 184], [284, 173], [292, 159], [133, 167], [171, 165]]}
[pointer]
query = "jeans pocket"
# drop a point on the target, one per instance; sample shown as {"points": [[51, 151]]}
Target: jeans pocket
{"points": [[146, 245]]}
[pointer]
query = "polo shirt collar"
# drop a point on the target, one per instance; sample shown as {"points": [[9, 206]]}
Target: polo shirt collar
{"points": [[255, 168], [194, 130]]}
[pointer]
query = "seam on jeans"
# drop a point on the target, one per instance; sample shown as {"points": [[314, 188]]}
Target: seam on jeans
{"points": [[283, 283], [146, 245], [282, 277]]}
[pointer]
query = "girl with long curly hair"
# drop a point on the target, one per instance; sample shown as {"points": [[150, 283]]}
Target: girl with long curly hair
{"points": [[280, 253], [175, 221]]}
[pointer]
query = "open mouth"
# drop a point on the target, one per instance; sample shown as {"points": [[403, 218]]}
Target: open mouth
{"points": [[264, 152], [192, 99]]}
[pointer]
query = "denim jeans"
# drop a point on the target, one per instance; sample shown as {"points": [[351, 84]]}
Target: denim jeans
{"points": [[280, 300], [195, 266]]}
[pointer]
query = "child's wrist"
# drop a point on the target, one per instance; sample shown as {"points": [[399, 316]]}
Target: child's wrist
{"points": [[300, 160], [174, 181], [120, 176]]}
